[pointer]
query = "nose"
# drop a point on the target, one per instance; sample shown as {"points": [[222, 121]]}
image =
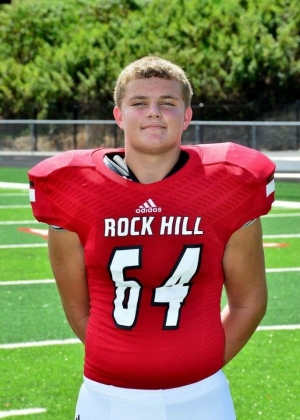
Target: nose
{"points": [[154, 110]]}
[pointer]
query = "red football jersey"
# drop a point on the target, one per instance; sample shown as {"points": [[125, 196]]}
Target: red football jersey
{"points": [[153, 256]]}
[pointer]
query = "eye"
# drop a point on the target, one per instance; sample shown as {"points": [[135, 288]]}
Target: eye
{"points": [[140, 103], [166, 103]]}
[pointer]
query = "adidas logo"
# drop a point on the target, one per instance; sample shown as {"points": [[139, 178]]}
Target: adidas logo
{"points": [[148, 207]]}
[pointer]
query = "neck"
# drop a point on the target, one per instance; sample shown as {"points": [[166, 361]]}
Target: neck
{"points": [[151, 168]]}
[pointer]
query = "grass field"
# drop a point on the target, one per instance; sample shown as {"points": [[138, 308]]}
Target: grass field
{"points": [[41, 373]]}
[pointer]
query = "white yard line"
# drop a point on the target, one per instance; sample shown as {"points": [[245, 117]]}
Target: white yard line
{"points": [[19, 222], [24, 412], [283, 236], [16, 206], [14, 185], [282, 270], [14, 194], [287, 204], [278, 327], [287, 175], [282, 215], [41, 245], [39, 343], [26, 282]]}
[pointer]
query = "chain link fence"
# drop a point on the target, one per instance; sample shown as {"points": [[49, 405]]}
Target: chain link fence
{"points": [[60, 135]]}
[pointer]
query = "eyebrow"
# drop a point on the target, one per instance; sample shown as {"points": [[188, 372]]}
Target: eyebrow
{"points": [[176, 98]]}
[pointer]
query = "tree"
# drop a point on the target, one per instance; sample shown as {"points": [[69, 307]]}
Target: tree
{"points": [[54, 54]]}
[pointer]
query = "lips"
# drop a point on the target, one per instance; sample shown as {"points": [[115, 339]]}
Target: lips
{"points": [[153, 126]]}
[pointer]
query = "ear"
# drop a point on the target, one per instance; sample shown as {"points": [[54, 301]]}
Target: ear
{"points": [[187, 117], [118, 116]]}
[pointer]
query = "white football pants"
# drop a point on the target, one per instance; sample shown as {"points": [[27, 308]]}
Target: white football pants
{"points": [[209, 399]]}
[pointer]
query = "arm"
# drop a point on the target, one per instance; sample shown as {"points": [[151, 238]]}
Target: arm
{"points": [[67, 262], [246, 288]]}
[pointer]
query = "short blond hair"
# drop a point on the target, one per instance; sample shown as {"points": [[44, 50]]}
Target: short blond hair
{"points": [[152, 66]]}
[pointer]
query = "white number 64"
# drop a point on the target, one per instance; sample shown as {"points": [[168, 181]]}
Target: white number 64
{"points": [[172, 293]]}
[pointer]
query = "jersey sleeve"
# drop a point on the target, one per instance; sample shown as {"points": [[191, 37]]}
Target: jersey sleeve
{"points": [[256, 179], [249, 174], [48, 191], [259, 202]]}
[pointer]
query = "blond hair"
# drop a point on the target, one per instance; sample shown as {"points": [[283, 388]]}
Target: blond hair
{"points": [[152, 66]]}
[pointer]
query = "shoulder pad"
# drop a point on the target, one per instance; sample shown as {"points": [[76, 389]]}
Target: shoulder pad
{"points": [[253, 161], [70, 158]]}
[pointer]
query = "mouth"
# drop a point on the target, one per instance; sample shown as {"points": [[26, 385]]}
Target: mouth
{"points": [[153, 126]]}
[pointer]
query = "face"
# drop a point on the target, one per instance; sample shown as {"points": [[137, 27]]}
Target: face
{"points": [[153, 115]]}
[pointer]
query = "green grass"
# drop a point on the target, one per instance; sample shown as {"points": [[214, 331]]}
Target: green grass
{"points": [[15, 214], [32, 303], [14, 175], [14, 198], [282, 225], [16, 235], [287, 256], [289, 191], [24, 264], [46, 377], [283, 307], [263, 377]]}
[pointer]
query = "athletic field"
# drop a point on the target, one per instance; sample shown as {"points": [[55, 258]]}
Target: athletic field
{"points": [[41, 361]]}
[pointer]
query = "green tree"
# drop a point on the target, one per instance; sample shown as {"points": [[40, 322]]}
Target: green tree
{"points": [[54, 54]]}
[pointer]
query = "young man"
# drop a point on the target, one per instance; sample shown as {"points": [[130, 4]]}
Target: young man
{"points": [[148, 236]]}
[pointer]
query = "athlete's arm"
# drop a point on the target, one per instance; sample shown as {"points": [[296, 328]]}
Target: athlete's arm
{"points": [[245, 285], [67, 262]]}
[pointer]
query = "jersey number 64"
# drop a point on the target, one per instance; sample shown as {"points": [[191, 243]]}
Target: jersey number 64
{"points": [[172, 293]]}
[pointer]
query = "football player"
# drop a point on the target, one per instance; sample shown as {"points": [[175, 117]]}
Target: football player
{"points": [[142, 241]]}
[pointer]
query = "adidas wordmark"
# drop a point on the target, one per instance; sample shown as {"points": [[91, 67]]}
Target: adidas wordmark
{"points": [[148, 207]]}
